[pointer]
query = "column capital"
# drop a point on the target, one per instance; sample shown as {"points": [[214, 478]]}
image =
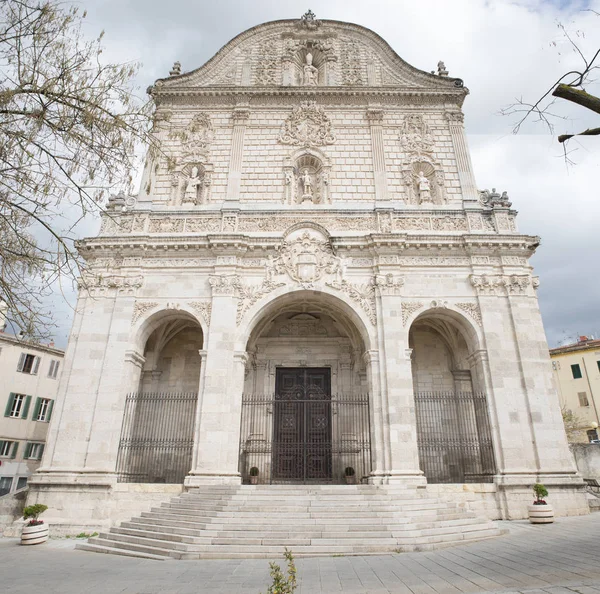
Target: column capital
{"points": [[371, 356]]}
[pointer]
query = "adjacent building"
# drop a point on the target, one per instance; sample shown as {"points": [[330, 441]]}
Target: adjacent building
{"points": [[29, 379], [576, 371]]}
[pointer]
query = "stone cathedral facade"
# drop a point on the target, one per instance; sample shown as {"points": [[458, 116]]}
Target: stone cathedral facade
{"points": [[308, 289]]}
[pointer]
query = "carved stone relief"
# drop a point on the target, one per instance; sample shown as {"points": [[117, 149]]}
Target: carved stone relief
{"points": [[408, 309], [140, 308], [203, 309], [306, 256], [493, 284], [363, 294], [268, 60], [249, 295], [473, 310], [351, 69], [307, 126]]}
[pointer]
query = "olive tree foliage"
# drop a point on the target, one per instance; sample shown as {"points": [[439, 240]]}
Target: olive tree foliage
{"points": [[69, 127], [570, 86]]}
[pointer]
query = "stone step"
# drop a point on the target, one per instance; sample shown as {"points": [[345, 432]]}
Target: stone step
{"points": [[260, 521], [97, 548]]}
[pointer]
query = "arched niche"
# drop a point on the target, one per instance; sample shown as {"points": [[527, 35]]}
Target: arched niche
{"points": [[157, 432], [433, 191], [191, 184], [454, 432], [307, 165]]}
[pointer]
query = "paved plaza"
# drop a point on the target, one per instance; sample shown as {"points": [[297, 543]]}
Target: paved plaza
{"points": [[558, 558]]}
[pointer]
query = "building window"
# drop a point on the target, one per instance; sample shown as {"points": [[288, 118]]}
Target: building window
{"points": [[8, 449], [17, 406], [592, 435], [43, 409], [598, 363], [5, 484], [28, 363], [53, 371], [583, 399], [34, 451], [21, 482], [576, 371]]}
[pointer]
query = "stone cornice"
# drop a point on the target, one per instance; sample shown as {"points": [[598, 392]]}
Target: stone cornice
{"points": [[183, 246]]}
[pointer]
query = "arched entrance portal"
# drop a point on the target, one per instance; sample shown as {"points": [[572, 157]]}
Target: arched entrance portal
{"points": [[305, 409], [453, 429], [157, 435]]}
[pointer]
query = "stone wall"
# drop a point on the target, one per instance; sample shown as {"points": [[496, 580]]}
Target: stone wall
{"points": [[587, 458]]}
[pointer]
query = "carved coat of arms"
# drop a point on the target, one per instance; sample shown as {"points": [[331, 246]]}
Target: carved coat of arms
{"points": [[307, 126], [306, 259]]}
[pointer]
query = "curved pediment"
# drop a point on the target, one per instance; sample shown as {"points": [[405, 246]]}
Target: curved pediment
{"points": [[309, 53]]}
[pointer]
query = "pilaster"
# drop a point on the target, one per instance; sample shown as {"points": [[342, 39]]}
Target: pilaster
{"points": [[463, 159], [219, 406], [375, 117], [240, 118]]}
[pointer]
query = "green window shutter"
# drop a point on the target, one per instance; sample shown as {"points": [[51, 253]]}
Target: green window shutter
{"points": [[15, 447], [9, 404], [21, 362], [49, 412], [36, 364], [26, 407], [36, 408], [2, 442], [28, 450], [41, 454]]}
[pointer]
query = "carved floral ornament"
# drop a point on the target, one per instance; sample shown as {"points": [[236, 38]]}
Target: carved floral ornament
{"points": [[99, 284], [195, 138], [307, 126]]}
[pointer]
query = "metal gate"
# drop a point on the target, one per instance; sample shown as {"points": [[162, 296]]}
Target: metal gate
{"points": [[290, 438], [454, 437], [157, 437]]}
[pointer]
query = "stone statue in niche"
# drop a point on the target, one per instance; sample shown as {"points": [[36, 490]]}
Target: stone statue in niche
{"points": [[310, 73], [307, 189], [424, 188], [193, 186]]}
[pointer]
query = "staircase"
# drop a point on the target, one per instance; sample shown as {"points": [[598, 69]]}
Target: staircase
{"points": [[259, 521]]}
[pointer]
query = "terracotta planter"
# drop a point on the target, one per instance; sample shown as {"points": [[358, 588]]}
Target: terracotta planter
{"points": [[34, 534], [254, 480], [541, 514], [350, 479]]}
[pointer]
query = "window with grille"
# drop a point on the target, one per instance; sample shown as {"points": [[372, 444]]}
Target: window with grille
{"points": [[583, 399]]}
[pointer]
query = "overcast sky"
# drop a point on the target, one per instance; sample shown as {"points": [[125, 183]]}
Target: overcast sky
{"points": [[502, 49]]}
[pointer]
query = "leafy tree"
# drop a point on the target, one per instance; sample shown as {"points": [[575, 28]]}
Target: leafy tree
{"points": [[69, 127]]}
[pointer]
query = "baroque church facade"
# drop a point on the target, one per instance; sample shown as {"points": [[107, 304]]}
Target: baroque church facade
{"points": [[308, 289]]}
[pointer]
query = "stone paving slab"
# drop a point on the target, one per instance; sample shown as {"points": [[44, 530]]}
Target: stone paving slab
{"points": [[561, 558]]}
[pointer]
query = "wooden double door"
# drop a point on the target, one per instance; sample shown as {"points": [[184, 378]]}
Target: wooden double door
{"points": [[302, 432]]}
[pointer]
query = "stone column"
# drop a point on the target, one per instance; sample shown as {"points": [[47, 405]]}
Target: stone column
{"points": [[218, 429], [240, 117], [463, 158], [378, 421], [402, 464], [375, 117]]}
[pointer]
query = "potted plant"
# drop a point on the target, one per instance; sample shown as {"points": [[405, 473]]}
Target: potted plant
{"points": [[350, 475], [35, 531], [254, 475], [540, 512]]}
